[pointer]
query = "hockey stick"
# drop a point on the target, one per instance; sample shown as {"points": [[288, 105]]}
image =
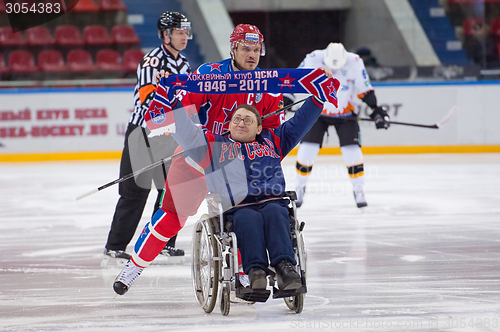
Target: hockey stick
{"points": [[131, 175], [286, 108], [162, 161], [438, 125]]}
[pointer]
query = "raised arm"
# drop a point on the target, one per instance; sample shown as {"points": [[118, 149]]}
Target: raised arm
{"points": [[189, 136], [293, 130]]}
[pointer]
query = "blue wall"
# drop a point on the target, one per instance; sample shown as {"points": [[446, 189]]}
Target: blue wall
{"points": [[439, 31]]}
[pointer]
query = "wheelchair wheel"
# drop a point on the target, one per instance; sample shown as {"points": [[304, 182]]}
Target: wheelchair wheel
{"points": [[225, 301], [204, 265], [295, 303]]}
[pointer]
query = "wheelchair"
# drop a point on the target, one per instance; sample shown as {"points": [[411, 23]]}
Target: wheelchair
{"points": [[215, 267]]}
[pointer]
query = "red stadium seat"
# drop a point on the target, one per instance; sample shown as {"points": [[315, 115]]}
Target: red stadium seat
{"points": [[469, 25], [51, 61], [80, 61], [39, 36], [21, 61], [495, 31], [131, 59], [124, 35], [11, 39], [83, 6], [82, 12], [68, 35], [112, 5], [96, 35], [3, 67], [495, 26], [109, 60], [2, 7]]}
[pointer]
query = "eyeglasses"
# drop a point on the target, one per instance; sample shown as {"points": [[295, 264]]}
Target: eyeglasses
{"points": [[247, 121]]}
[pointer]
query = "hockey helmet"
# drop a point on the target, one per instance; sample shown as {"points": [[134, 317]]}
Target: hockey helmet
{"points": [[247, 33], [335, 56], [173, 20]]}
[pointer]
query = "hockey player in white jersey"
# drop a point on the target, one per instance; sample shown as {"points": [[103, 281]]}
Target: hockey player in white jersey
{"points": [[349, 69]]}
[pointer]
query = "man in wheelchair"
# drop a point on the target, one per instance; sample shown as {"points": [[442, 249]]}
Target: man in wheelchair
{"points": [[261, 225], [244, 168]]}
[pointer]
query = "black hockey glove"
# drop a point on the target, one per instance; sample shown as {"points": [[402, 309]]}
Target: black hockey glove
{"points": [[381, 118], [288, 98]]}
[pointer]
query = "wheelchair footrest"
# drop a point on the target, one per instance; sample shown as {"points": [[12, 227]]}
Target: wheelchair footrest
{"points": [[252, 295], [277, 293]]}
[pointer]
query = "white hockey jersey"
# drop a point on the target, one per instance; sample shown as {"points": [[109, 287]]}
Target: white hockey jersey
{"points": [[354, 81]]}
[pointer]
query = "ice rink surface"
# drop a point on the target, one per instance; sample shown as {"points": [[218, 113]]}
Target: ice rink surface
{"points": [[423, 256]]}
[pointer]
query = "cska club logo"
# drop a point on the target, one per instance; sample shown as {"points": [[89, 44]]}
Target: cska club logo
{"points": [[178, 82], [157, 115], [287, 81]]}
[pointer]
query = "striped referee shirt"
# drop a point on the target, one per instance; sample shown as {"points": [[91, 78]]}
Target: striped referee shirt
{"points": [[145, 89]]}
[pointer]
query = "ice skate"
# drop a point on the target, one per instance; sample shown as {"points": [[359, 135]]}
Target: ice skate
{"points": [[359, 197], [170, 255], [114, 258], [125, 279]]}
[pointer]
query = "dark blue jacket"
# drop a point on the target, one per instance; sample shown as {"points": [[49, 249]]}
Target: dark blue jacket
{"points": [[244, 172]]}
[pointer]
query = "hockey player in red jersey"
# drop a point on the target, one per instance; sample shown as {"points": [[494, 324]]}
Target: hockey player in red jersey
{"points": [[185, 187]]}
